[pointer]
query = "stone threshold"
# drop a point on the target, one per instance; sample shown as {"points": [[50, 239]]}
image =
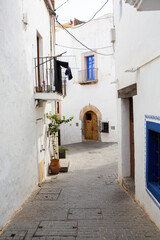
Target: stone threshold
{"points": [[129, 185]]}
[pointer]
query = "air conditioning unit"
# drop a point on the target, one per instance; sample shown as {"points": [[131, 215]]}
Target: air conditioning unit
{"points": [[113, 35]]}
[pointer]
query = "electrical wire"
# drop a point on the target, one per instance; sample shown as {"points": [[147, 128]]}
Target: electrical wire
{"points": [[61, 5], [59, 45], [80, 41], [93, 15]]}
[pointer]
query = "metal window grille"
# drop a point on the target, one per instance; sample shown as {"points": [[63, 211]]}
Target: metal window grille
{"points": [[154, 157], [105, 127]]}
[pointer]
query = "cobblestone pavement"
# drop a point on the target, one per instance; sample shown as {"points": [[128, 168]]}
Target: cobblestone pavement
{"points": [[87, 203]]}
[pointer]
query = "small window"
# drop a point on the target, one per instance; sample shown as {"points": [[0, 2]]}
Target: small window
{"points": [[120, 9], [153, 159], [57, 107], [105, 127], [88, 116]]}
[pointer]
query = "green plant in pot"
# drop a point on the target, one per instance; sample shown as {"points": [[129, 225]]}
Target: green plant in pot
{"points": [[54, 125], [62, 151]]}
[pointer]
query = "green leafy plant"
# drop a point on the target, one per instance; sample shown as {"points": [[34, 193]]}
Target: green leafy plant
{"points": [[62, 148], [54, 126]]}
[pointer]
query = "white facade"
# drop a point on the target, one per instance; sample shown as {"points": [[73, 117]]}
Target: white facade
{"points": [[137, 62], [24, 152], [100, 96]]}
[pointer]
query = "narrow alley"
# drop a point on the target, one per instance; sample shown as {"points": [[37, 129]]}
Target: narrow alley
{"points": [[85, 203]]}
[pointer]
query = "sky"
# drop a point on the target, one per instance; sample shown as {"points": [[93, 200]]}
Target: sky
{"points": [[81, 9]]}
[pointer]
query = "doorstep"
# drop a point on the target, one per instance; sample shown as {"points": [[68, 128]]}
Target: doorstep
{"points": [[129, 186], [64, 165]]}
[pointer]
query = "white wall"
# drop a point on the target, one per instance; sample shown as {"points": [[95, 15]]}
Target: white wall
{"points": [[146, 103], [124, 139], [137, 42], [18, 143], [102, 95], [137, 34]]}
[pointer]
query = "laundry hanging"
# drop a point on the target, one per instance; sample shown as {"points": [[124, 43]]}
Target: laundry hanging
{"points": [[58, 74], [68, 73]]}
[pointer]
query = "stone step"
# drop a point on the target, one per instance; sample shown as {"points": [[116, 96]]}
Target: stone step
{"points": [[64, 165]]}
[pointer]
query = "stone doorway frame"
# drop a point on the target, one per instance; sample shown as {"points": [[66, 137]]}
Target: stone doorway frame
{"points": [[82, 116]]}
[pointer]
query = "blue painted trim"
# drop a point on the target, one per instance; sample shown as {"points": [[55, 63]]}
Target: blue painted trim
{"points": [[90, 68], [152, 197], [151, 188], [152, 117]]}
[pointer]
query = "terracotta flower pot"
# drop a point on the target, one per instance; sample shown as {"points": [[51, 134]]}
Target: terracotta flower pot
{"points": [[55, 166]]}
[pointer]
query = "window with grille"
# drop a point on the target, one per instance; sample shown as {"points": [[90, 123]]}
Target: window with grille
{"points": [[105, 127], [153, 159], [88, 116]]}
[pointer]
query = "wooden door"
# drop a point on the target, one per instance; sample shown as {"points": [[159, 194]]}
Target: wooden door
{"points": [[95, 126], [132, 161], [88, 125], [91, 126]]}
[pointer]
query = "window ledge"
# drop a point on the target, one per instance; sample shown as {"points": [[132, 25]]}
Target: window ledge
{"points": [[47, 96], [154, 189], [89, 82]]}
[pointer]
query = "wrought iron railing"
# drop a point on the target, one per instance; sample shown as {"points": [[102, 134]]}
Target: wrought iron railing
{"points": [[44, 74], [88, 76]]}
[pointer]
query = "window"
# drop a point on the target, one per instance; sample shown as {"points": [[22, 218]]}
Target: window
{"points": [[120, 9], [90, 68], [89, 71], [105, 127], [88, 116], [58, 107], [153, 158]]}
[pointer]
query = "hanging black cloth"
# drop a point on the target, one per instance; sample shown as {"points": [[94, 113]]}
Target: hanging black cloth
{"points": [[58, 75], [68, 73]]}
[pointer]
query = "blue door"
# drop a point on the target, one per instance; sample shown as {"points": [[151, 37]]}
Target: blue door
{"points": [[90, 68]]}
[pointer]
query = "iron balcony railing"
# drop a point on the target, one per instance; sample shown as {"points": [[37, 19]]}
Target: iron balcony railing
{"points": [[88, 76], [44, 74]]}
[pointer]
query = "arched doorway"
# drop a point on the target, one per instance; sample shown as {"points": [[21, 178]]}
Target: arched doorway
{"points": [[91, 125]]}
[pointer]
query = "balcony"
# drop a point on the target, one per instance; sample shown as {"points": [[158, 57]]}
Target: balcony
{"points": [[88, 76], [44, 79]]}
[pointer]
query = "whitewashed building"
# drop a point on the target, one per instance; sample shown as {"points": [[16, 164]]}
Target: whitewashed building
{"points": [[26, 36], [91, 94], [137, 61]]}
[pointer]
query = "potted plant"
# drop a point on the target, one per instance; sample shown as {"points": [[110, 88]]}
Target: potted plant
{"points": [[53, 127], [62, 151]]}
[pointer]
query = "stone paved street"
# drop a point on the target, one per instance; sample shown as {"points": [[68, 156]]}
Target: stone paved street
{"points": [[87, 203]]}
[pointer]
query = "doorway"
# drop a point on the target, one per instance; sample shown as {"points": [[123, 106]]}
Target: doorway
{"points": [[91, 126], [132, 159], [40, 150]]}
